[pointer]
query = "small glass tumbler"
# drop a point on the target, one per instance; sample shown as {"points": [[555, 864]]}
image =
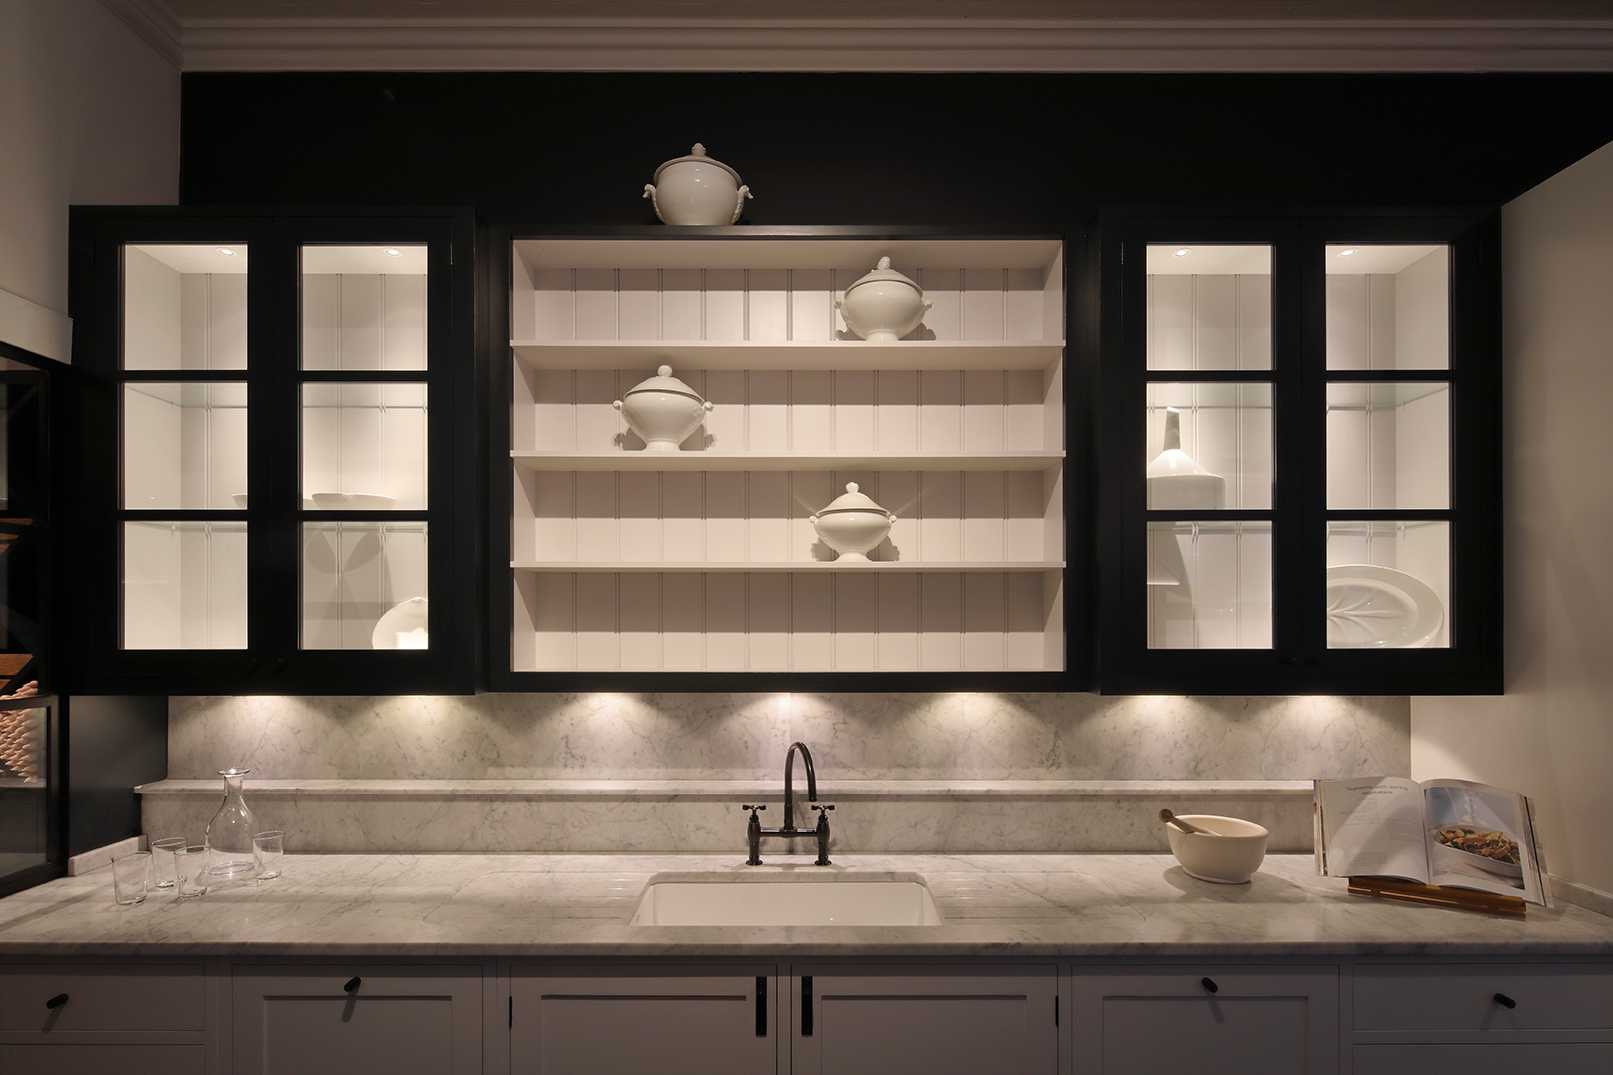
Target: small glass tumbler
{"points": [[163, 871], [191, 871], [130, 875], [267, 847]]}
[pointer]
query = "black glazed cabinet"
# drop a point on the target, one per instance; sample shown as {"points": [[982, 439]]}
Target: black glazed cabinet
{"points": [[1299, 453], [278, 451], [616, 568]]}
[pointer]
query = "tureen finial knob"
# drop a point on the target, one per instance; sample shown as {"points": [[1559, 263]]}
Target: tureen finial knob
{"points": [[698, 150], [851, 487], [884, 263], [663, 371]]}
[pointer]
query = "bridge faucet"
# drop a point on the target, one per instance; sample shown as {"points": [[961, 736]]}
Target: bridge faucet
{"points": [[754, 831]]}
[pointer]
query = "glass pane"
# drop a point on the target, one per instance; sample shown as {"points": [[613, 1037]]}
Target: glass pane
{"points": [[1388, 585], [184, 307], [1388, 446], [25, 792], [184, 585], [1209, 307], [1209, 585], [364, 586], [364, 307], [364, 446], [184, 445], [1209, 446], [1388, 307]]}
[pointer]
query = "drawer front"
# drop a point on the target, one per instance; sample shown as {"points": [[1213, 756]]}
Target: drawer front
{"points": [[103, 1059], [1557, 1058], [103, 997], [1450, 996]]}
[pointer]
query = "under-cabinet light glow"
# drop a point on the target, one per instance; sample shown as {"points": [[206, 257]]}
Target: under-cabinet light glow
{"points": [[1346, 253], [1182, 253], [226, 251], [394, 252]]}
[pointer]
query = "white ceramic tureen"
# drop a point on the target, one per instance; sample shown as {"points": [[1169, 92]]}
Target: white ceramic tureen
{"points": [[696, 190], [883, 306], [663, 410], [852, 524]]}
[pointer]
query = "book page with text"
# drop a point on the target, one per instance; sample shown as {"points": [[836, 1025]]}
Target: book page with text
{"points": [[1373, 827]]}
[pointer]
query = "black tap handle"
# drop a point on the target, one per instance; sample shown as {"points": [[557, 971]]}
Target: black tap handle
{"points": [[824, 807], [56, 1002], [752, 809]]}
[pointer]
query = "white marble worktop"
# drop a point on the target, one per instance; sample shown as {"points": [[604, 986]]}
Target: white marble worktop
{"points": [[577, 906]]}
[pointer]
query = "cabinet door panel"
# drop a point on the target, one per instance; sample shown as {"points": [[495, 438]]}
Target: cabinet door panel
{"points": [[103, 1059], [1487, 1059], [296, 1020], [938, 1021], [1220, 1019], [598, 1021]]}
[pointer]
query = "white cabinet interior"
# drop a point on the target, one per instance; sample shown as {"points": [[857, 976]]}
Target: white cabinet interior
{"points": [[706, 559]]}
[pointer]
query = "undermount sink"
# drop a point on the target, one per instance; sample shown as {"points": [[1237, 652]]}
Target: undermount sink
{"points": [[787, 900]]}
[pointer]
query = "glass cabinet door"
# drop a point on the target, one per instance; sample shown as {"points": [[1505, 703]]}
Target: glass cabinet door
{"points": [[1299, 479]]}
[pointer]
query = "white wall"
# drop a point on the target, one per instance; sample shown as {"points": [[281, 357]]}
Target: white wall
{"points": [[89, 114], [1551, 734]]}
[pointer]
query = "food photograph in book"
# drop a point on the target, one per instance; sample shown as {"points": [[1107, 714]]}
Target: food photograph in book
{"points": [[1474, 834]]}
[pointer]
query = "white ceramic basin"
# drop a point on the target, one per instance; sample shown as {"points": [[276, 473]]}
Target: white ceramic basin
{"points": [[787, 901]]}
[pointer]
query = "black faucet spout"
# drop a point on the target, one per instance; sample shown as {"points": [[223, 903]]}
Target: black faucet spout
{"points": [[789, 783]]}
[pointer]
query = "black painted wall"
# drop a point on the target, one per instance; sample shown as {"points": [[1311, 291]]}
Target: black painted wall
{"points": [[1031, 150]]}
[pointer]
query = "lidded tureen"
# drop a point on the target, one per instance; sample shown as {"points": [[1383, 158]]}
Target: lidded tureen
{"points": [[663, 410], [852, 524], [882, 306], [696, 190]]}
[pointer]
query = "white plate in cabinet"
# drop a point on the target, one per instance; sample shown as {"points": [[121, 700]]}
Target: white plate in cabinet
{"points": [[1468, 997], [807, 567]]}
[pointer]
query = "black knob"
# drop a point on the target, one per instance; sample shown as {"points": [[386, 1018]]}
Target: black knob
{"points": [[56, 1002], [1505, 1001], [352, 984], [1209, 985]]}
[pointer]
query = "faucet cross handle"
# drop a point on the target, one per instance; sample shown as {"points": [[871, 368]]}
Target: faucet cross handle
{"points": [[752, 809], [825, 806]]}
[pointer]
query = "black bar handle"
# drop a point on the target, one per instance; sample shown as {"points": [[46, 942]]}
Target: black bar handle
{"points": [[1505, 1001], [352, 984], [761, 1006], [806, 1006], [56, 1002], [1209, 985]]}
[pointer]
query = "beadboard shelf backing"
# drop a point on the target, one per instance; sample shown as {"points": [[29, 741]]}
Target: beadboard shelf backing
{"points": [[707, 558]]}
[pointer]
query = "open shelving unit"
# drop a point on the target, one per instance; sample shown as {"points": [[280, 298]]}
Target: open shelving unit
{"points": [[706, 559]]}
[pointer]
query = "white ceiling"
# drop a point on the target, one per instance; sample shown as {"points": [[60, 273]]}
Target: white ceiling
{"points": [[879, 35]]}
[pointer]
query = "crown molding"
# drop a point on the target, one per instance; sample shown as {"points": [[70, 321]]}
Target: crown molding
{"points": [[903, 46], [158, 26]]}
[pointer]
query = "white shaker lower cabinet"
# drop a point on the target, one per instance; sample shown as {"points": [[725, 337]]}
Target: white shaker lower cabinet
{"points": [[632, 1020], [1214, 1020], [1479, 1018], [309, 1020], [124, 1018], [927, 1020]]}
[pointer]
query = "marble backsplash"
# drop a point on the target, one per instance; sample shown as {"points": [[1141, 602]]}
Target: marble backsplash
{"points": [[666, 772], [705, 737]]}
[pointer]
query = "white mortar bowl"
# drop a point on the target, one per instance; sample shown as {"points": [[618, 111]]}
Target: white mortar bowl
{"points": [[1228, 858]]}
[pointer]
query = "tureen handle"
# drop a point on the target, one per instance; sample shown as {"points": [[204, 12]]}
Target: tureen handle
{"points": [[739, 203], [649, 192], [813, 519], [617, 404]]}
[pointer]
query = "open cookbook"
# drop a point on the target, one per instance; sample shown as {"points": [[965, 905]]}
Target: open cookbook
{"points": [[1450, 833]]}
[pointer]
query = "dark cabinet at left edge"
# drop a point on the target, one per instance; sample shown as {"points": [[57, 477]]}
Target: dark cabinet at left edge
{"points": [[276, 487]]}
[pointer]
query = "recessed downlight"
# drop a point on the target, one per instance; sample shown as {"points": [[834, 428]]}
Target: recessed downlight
{"points": [[393, 251], [1346, 252], [226, 251], [1183, 252]]}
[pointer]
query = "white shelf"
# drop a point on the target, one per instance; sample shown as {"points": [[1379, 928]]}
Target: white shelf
{"points": [[815, 566], [789, 354], [703, 462]]}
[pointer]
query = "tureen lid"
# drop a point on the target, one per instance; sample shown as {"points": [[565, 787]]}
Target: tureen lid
{"points": [[852, 500], [663, 381], [698, 155], [884, 272]]}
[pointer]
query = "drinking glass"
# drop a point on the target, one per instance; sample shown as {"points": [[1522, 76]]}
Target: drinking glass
{"points": [[163, 871], [267, 847], [130, 874], [191, 869]]}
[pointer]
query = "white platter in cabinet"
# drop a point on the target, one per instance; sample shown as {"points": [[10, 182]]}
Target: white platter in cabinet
{"points": [[809, 566], [789, 354], [745, 461]]}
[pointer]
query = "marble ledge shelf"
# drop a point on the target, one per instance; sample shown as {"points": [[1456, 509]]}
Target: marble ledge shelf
{"points": [[931, 816]]}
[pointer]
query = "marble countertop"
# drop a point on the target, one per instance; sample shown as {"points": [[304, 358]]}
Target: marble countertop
{"points": [[577, 905]]}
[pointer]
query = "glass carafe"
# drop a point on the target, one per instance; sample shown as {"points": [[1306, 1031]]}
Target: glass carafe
{"points": [[229, 834]]}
